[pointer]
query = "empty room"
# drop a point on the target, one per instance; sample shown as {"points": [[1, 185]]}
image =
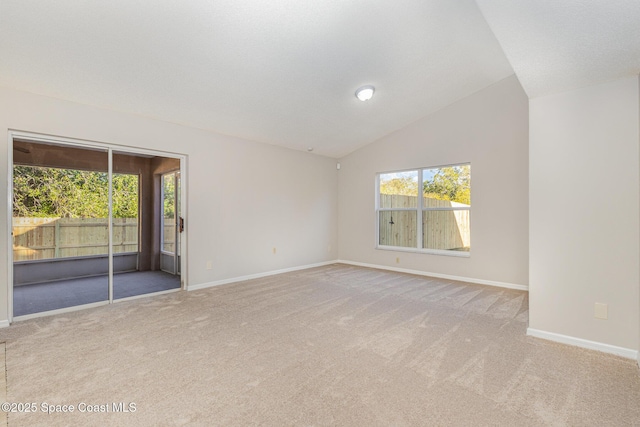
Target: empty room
{"points": [[337, 213]]}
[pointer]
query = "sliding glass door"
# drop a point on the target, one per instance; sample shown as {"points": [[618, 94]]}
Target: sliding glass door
{"points": [[139, 224], [60, 227], [92, 225]]}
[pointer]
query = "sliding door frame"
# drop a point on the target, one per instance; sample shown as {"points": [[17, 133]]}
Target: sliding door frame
{"points": [[110, 149]]}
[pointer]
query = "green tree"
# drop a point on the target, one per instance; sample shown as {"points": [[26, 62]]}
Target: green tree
{"points": [[169, 196], [125, 196], [71, 193], [405, 186], [450, 183]]}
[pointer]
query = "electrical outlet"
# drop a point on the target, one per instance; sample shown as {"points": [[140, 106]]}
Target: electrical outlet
{"points": [[274, 251], [209, 265], [397, 260], [601, 311]]}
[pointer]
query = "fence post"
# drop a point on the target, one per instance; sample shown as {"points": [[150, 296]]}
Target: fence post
{"points": [[56, 235]]}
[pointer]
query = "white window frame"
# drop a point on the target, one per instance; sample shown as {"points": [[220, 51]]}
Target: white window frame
{"points": [[419, 210]]}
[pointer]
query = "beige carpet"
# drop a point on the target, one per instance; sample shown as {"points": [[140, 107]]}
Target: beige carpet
{"points": [[330, 346]]}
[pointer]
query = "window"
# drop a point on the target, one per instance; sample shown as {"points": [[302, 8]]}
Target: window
{"points": [[437, 222], [168, 212]]}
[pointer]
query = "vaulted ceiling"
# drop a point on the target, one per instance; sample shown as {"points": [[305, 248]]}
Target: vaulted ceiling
{"points": [[284, 72]]}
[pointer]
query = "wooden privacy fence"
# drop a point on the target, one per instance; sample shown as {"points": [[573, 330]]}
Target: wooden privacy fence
{"points": [[441, 229], [46, 238], [169, 237]]}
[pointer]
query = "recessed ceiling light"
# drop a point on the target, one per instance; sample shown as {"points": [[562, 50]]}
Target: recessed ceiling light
{"points": [[310, 149], [365, 93]]}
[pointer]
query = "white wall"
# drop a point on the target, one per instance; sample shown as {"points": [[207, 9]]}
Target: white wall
{"points": [[584, 209], [243, 198], [488, 129]]}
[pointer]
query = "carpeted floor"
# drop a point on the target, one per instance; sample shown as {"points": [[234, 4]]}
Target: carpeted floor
{"points": [[330, 346], [39, 297]]}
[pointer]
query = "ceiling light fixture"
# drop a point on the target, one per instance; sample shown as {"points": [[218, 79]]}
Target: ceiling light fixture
{"points": [[365, 93]]}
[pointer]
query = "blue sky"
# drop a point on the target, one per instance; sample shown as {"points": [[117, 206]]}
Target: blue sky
{"points": [[427, 174]]}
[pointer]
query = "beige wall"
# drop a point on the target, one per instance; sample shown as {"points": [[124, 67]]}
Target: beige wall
{"points": [[584, 210], [488, 129], [243, 198]]}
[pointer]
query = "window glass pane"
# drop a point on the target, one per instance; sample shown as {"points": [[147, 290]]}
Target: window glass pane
{"points": [[125, 213], [398, 228], [168, 215], [446, 230], [60, 227], [177, 208], [447, 186], [399, 190], [59, 213]]}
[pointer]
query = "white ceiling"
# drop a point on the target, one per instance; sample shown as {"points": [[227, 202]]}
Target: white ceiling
{"points": [[284, 72], [558, 45]]}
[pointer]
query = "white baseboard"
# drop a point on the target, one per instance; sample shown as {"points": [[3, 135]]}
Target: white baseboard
{"points": [[579, 342], [440, 276], [4, 323], [359, 264], [256, 276]]}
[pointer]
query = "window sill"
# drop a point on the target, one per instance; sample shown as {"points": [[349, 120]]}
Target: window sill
{"points": [[459, 254]]}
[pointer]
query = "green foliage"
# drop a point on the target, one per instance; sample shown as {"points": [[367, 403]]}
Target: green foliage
{"points": [[404, 186], [125, 196], [450, 183], [169, 196], [70, 193]]}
